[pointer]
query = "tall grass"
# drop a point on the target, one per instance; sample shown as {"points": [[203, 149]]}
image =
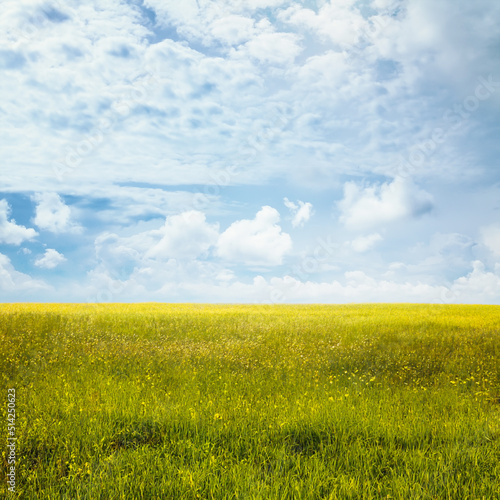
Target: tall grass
{"points": [[253, 402]]}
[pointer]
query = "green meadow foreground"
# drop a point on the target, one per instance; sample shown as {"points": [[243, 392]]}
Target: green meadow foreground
{"points": [[179, 402]]}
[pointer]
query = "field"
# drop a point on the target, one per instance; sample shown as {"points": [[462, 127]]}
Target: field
{"points": [[152, 401]]}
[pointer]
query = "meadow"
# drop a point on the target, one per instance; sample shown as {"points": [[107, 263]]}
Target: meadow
{"points": [[155, 401]]}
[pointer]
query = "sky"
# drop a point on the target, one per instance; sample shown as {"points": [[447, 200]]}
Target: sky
{"points": [[258, 151]]}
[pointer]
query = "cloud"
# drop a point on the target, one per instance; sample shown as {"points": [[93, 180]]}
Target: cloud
{"points": [[213, 23], [301, 213], [443, 257], [381, 204], [50, 259], [364, 243], [232, 29], [322, 72], [182, 92], [52, 214], [231, 99], [260, 4], [274, 48], [10, 232], [171, 279], [256, 242], [479, 286], [184, 236], [13, 281], [490, 236], [120, 256], [337, 22]]}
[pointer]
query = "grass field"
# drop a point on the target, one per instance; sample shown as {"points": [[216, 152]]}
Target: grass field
{"points": [[179, 402]]}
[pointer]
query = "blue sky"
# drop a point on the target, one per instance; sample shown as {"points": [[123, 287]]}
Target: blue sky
{"points": [[262, 151]]}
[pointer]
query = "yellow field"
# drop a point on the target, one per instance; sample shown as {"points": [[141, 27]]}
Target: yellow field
{"points": [[257, 402]]}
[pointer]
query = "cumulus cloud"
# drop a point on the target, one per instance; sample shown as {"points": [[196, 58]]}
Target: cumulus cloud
{"points": [[196, 280], [364, 243], [479, 286], [476, 287], [50, 259], [301, 211], [274, 48], [324, 71], [13, 281], [10, 232], [52, 214], [184, 236], [233, 29], [490, 236], [258, 242], [381, 204], [337, 22], [171, 280], [120, 255], [225, 22], [427, 40]]}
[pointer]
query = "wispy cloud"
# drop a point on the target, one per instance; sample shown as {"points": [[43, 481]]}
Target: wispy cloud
{"points": [[301, 211]]}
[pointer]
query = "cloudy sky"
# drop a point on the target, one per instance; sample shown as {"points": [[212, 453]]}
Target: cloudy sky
{"points": [[263, 151]]}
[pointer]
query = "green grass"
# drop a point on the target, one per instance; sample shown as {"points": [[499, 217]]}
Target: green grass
{"points": [[253, 402]]}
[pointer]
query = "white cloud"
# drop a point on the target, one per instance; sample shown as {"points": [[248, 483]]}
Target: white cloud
{"points": [[172, 261], [433, 46], [184, 236], [324, 71], [337, 22], [121, 255], [50, 259], [258, 242], [281, 93], [180, 101], [13, 281], [84, 49], [232, 29], [176, 12], [479, 286], [259, 4], [225, 275], [384, 4], [381, 204], [301, 212], [364, 243], [10, 232], [443, 257], [209, 21], [490, 236], [52, 214], [194, 280], [171, 280], [274, 48]]}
